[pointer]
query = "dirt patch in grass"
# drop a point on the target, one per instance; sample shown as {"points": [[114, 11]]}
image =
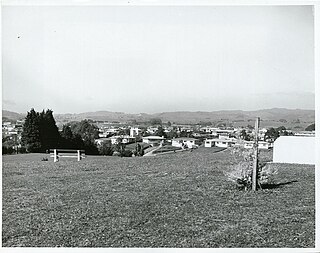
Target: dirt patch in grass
{"points": [[181, 200]]}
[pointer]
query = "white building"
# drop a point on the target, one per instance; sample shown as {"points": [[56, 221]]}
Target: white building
{"points": [[185, 141], [208, 143], [100, 140], [135, 131], [126, 139], [261, 144], [220, 142], [153, 140], [294, 149], [152, 130]]}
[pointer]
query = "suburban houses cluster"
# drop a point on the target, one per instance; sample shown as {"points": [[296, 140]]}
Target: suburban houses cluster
{"points": [[177, 136], [11, 131], [186, 136]]}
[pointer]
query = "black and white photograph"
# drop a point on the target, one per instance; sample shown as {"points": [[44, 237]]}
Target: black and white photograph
{"points": [[145, 125]]}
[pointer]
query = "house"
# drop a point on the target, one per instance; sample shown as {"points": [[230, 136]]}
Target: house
{"points": [[126, 139], [153, 140], [135, 131], [152, 130], [224, 143], [294, 149], [185, 142], [111, 131], [208, 129], [101, 140], [208, 143], [224, 132], [248, 144], [305, 133], [103, 135], [220, 142], [261, 144]]}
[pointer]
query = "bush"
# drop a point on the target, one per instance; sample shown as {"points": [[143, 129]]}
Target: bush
{"points": [[22, 150], [266, 174], [7, 150], [241, 173], [105, 148], [126, 153]]}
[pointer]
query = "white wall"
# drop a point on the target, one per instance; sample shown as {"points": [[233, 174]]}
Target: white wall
{"points": [[294, 149]]}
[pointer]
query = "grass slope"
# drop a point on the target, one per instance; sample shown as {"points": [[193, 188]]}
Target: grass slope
{"points": [[180, 200]]}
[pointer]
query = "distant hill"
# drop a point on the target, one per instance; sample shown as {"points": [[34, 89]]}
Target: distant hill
{"points": [[187, 117], [11, 116], [274, 114]]}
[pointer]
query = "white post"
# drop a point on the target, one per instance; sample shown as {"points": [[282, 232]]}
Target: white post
{"points": [[55, 156], [79, 155]]}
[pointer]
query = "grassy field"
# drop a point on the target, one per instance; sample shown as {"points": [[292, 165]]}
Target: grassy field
{"points": [[174, 200]]}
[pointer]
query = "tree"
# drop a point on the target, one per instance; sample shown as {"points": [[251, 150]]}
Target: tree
{"points": [[125, 131], [271, 134], [120, 147], [172, 134], [49, 133], [85, 134], [30, 136], [155, 121], [244, 135], [139, 150], [40, 131], [68, 140], [106, 148], [311, 127], [160, 132], [281, 128]]}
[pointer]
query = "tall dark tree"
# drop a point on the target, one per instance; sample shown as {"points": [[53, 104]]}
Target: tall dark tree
{"points": [[30, 136], [49, 133], [67, 138]]}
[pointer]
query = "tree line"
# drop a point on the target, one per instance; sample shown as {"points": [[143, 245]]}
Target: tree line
{"points": [[40, 133]]}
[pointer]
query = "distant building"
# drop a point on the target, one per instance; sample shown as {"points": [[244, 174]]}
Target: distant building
{"points": [[294, 149], [153, 140], [135, 131], [185, 142], [152, 130], [209, 143], [126, 139], [101, 140], [261, 144], [305, 133], [220, 142]]}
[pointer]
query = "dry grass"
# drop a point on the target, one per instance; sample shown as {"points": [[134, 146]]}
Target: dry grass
{"points": [[176, 200]]}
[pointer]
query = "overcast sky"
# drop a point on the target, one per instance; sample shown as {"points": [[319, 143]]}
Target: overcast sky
{"points": [[155, 59]]}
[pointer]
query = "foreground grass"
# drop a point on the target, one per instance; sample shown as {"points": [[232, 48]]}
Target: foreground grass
{"points": [[176, 200]]}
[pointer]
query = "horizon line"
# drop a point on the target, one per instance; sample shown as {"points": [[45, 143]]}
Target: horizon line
{"points": [[150, 113]]}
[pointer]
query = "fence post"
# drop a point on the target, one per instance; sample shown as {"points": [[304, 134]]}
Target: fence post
{"points": [[79, 155], [55, 157], [255, 149]]}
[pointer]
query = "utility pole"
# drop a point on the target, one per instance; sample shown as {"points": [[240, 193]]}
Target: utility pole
{"points": [[255, 161]]}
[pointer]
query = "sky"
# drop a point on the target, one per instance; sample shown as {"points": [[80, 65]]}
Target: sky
{"points": [[150, 59]]}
